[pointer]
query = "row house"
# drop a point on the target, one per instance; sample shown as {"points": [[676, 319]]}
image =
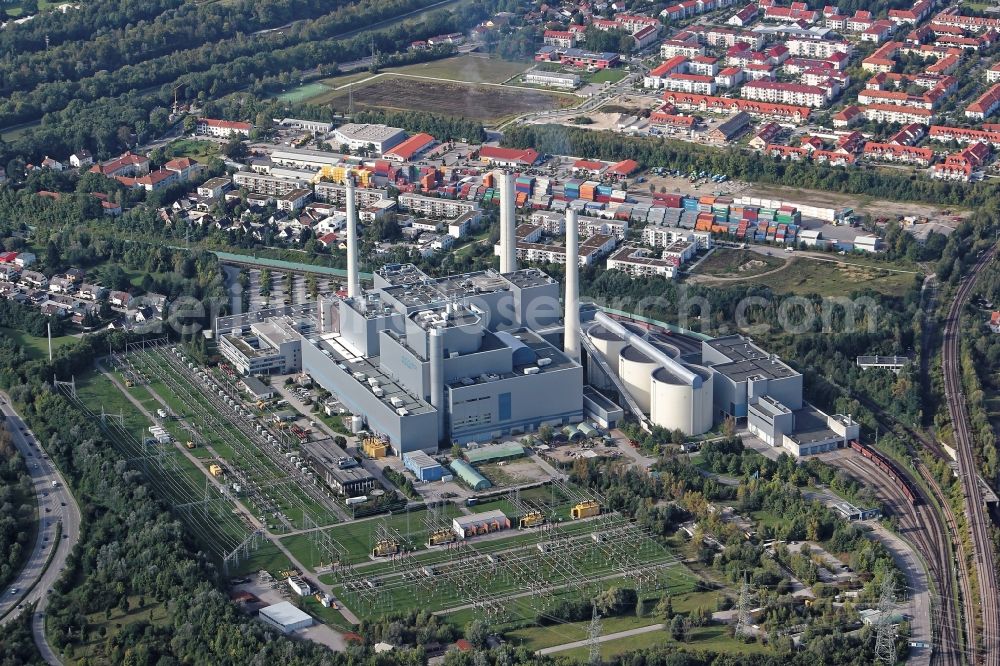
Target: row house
{"points": [[665, 118], [726, 38], [878, 32], [944, 65], [765, 136], [951, 17], [833, 157], [787, 93], [688, 48], [914, 15], [636, 22], [780, 112], [744, 17], [730, 77], [983, 41], [644, 37], [892, 152], [690, 83], [895, 97], [963, 164], [793, 153], [561, 38], [689, 8], [993, 73], [823, 78], [909, 135], [964, 134], [758, 71], [818, 48], [985, 105], [848, 117], [704, 65], [883, 59], [222, 129], [128, 164], [658, 74], [892, 113], [797, 11]]}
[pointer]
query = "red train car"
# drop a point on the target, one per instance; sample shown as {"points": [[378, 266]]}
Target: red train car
{"points": [[888, 469]]}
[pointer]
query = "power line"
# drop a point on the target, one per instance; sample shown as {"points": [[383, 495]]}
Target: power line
{"points": [[885, 637]]}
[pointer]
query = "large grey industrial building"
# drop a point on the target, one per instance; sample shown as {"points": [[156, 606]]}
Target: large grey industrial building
{"points": [[425, 361]]}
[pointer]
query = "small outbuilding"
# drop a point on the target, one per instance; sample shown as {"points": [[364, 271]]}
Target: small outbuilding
{"points": [[423, 466]]}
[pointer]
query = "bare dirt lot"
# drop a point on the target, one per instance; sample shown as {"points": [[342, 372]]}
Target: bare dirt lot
{"points": [[482, 102]]}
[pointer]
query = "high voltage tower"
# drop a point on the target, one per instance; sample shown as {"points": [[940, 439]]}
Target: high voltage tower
{"points": [[885, 630], [743, 619], [594, 637]]}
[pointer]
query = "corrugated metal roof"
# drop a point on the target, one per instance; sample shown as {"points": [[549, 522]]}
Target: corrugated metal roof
{"points": [[500, 451]]}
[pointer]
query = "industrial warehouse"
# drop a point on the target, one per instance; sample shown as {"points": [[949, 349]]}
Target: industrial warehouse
{"points": [[426, 361]]}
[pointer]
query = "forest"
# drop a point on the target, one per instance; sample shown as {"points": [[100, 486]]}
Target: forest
{"points": [[17, 508]]}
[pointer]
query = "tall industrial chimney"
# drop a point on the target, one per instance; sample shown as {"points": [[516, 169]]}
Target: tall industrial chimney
{"points": [[353, 286], [571, 342], [436, 353], [508, 239]]}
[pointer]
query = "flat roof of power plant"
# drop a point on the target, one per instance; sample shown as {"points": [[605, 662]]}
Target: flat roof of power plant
{"points": [[811, 426], [748, 360]]}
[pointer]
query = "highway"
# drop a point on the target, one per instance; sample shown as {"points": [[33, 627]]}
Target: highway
{"points": [[55, 505], [983, 648]]}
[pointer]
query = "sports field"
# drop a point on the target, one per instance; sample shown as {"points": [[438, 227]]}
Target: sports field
{"points": [[303, 93], [488, 103]]}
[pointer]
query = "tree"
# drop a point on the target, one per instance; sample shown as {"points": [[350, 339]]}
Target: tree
{"points": [[545, 433], [677, 628], [477, 632], [456, 451], [664, 608]]}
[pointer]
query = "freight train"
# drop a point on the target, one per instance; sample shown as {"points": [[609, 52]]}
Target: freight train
{"points": [[888, 469]]}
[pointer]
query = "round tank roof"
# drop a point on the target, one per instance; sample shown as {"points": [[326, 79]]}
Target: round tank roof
{"points": [[630, 353], [601, 333], [701, 371], [669, 350], [664, 376]]}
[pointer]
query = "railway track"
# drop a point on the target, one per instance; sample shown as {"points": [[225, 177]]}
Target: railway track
{"points": [[919, 524], [984, 647]]}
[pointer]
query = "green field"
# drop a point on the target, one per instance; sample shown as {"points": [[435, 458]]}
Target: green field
{"points": [[724, 262], [465, 68], [36, 347], [485, 102], [303, 93], [714, 638], [197, 150], [829, 278], [605, 76]]}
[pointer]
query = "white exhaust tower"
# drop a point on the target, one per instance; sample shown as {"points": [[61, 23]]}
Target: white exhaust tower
{"points": [[508, 239], [353, 286], [571, 331]]}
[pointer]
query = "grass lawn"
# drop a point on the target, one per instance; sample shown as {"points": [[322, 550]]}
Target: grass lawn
{"points": [[827, 278], [715, 638], [36, 347], [303, 93], [724, 262], [15, 9], [604, 76], [197, 150], [466, 68]]}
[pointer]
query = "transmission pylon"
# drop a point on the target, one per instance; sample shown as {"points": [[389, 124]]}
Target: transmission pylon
{"points": [[593, 638], [885, 630], [743, 619]]}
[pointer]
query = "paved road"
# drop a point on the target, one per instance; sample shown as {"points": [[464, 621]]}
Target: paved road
{"points": [[977, 517], [55, 505]]}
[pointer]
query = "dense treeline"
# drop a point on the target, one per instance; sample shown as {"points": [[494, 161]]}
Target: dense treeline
{"points": [[443, 128], [95, 119], [17, 647], [185, 27], [89, 20], [221, 66], [17, 508], [131, 547], [750, 166]]}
